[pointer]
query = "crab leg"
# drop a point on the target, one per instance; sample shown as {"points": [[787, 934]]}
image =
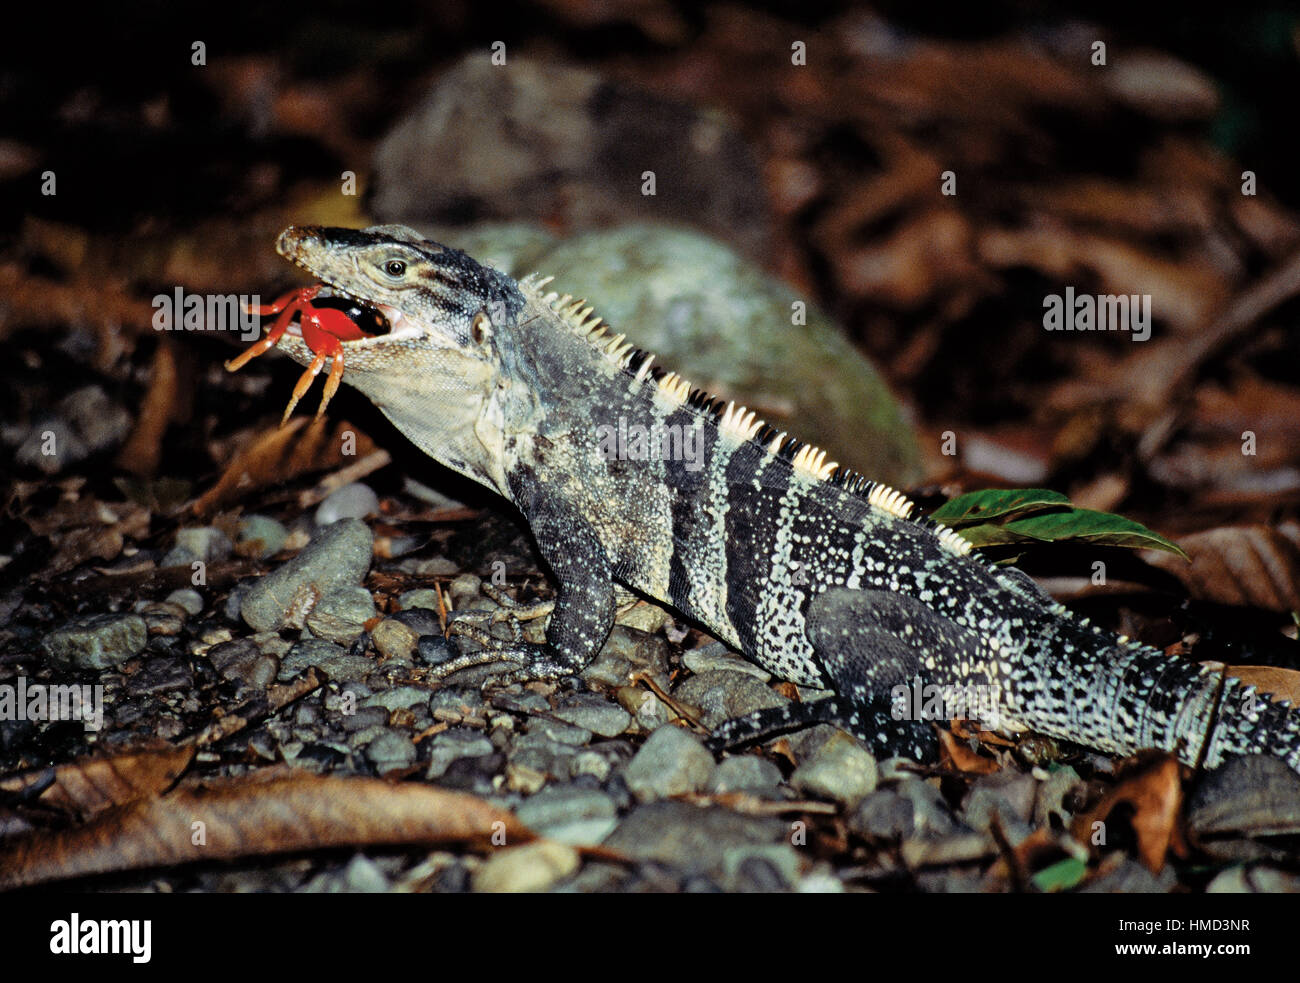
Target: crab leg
{"points": [[331, 383], [304, 383]]}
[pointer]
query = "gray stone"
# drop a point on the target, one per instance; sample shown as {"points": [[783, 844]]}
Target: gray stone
{"points": [[339, 556], [397, 698], [723, 694], [690, 838], [550, 141], [244, 661], [99, 641], [594, 713], [354, 501], [394, 640], [259, 536], [842, 769], [627, 652], [391, 751], [569, 814], [457, 742], [209, 544], [715, 655], [341, 614], [670, 762], [423, 597], [190, 600], [331, 659], [745, 773], [670, 288], [559, 731]]}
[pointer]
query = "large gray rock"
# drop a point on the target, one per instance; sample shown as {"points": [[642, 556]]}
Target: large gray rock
{"points": [[339, 556]]}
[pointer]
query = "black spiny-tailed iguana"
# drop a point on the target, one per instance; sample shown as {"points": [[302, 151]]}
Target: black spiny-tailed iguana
{"points": [[810, 570]]}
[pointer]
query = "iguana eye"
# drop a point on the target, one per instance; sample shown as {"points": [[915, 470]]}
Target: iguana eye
{"points": [[479, 327], [395, 268]]}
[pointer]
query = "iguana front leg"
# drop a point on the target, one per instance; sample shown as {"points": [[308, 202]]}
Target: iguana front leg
{"points": [[583, 611]]}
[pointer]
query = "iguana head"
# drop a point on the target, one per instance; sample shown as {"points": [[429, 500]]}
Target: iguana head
{"points": [[429, 352]]}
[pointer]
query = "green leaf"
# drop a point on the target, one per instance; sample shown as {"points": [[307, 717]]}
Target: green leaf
{"points": [[1003, 516], [1101, 528], [981, 506], [1060, 876]]}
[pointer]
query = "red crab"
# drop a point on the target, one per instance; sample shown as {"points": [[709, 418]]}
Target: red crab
{"points": [[324, 324]]}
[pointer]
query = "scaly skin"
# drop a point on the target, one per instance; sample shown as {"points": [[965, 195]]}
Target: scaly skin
{"points": [[808, 569]]}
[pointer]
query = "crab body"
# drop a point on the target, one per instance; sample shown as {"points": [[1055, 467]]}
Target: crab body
{"points": [[324, 323]]}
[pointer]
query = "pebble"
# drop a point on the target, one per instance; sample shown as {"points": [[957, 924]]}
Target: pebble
{"points": [[397, 698], [559, 731], [885, 814], [259, 536], [339, 556], [745, 773], [529, 868], [715, 655], [569, 814], [452, 744], [99, 641], [465, 591], [626, 652], [722, 694], [423, 598], [162, 619], [354, 501], [331, 659], [341, 614], [434, 649], [689, 838], [760, 869], [364, 718], [391, 751], [191, 601], [243, 660], [670, 762], [595, 714], [207, 543], [842, 769]]}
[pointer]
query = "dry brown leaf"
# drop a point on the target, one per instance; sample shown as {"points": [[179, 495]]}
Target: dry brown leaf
{"points": [[1280, 684], [1155, 793], [91, 785], [280, 454], [143, 449], [963, 758], [1253, 566], [250, 817]]}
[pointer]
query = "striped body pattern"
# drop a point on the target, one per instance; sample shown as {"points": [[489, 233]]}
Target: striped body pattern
{"points": [[626, 473]]}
